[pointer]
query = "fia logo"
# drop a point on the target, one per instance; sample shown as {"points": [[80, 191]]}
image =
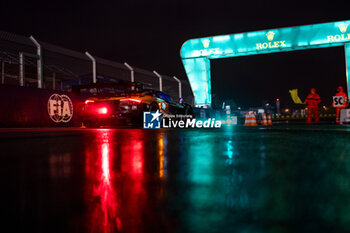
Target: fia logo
{"points": [[151, 120], [206, 43], [60, 108], [270, 35], [343, 27]]}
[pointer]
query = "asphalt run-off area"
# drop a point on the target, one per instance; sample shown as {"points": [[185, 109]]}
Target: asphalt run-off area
{"points": [[239, 179]]}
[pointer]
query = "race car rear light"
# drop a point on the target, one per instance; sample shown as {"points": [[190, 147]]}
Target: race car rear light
{"points": [[89, 101], [131, 100], [102, 110]]}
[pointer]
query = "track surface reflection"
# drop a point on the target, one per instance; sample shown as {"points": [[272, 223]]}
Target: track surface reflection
{"points": [[284, 179]]}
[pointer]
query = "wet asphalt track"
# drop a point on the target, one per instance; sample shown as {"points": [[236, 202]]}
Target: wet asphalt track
{"points": [[279, 179]]}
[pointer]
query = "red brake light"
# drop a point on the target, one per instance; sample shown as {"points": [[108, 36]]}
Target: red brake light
{"points": [[131, 100], [89, 101], [103, 110]]}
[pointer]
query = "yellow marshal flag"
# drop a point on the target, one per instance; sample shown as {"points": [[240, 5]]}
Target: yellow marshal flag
{"points": [[295, 97]]}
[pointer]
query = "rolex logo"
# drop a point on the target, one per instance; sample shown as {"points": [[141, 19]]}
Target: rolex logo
{"points": [[206, 43], [343, 27], [272, 44], [270, 35]]}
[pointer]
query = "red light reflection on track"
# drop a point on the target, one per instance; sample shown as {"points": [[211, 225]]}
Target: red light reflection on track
{"points": [[104, 215], [105, 190], [106, 176], [137, 158], [133, 189], [115, 176]]}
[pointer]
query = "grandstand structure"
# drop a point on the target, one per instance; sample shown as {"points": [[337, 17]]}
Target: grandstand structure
{"points": [[31, 63]]}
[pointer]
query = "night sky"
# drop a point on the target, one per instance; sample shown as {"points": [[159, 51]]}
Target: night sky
{"points": [[149, 34], [260, 79]]}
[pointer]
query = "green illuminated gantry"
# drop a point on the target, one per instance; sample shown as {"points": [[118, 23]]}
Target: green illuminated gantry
{"points": [[196, 53]]}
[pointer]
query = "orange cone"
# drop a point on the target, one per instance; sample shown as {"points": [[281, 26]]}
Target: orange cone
{"points": [[253, 119], [250, 119], [269, 122], [247, 120], [264, 122]]}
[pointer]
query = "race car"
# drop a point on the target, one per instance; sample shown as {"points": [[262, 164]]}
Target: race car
{"points": [[123, 105]]}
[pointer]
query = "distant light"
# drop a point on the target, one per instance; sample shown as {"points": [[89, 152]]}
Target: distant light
{"points": [[277, 100], [234, 120], [267, 104]]}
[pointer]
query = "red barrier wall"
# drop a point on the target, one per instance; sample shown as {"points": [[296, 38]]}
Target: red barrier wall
{"points": [[32, 107]]}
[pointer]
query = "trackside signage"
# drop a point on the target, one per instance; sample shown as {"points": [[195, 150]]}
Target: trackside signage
{"points": [[60, 108], [154, 120], [196, 53]]}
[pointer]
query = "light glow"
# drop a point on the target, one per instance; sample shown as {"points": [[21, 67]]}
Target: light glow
{"points": [[131, 100], [102, 213], [137, 160], [103, 110], [105, 164], [89, 101], [196, 53]]}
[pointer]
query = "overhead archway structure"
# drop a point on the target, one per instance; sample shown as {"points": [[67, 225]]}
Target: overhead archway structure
{"points": [[196, 53]]}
